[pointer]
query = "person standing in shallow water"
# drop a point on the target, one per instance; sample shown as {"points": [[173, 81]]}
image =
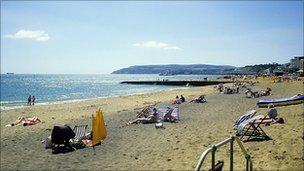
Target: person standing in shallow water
{"points": [[33, 100], [29, 100]]}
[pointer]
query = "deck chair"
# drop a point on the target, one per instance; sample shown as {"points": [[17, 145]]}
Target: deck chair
{"points": [[168, 110], [80, 131], [162, 111], [249, 114], [175, 112], [251, 128]]}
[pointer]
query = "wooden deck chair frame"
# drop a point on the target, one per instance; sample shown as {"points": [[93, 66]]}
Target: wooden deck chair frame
{"points": [[256, 130]]}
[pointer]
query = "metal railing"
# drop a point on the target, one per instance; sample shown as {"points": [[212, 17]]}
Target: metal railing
{"points": [[213, 149]]}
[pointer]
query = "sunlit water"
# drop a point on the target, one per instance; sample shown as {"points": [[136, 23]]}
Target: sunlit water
{"points": [[16, 88]]}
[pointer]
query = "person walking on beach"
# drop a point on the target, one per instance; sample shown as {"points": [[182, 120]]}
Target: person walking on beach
{"points": [[33, 100], [29, 99]]}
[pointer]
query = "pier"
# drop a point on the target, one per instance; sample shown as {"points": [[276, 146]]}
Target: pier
{"points": [[177, 83]]}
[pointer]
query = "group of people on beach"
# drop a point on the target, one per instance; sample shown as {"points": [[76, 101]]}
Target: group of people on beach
{"points": [[255, 94], [31, 100], [200, 99], [179, 100], [228, 90]]}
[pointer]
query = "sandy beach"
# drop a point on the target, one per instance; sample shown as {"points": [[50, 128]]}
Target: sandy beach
{"points": [[142, 147]]}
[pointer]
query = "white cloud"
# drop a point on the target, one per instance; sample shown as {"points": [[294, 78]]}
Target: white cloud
{"points": [[173, 48], [38, 35], [159, 45]]}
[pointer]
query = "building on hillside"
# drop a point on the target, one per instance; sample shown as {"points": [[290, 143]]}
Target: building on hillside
{"points": [[302, 64], [278, 71], [296, 62], [268, 71]]}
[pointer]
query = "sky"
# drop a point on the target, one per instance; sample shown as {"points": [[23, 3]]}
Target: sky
{"points": [[99, 37]]}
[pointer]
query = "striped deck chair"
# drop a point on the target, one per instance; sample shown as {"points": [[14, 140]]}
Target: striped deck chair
{"points": [[251, 128], [175, 112], [249, 114], [79, 131], [162, 111], [165, 111]]}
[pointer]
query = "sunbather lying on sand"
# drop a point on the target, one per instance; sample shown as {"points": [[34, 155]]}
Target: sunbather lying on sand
{"points": [[249, 93], [231, 90], [144, 112], [25, 121], [200, 99], [220, 87], [145, 120]]}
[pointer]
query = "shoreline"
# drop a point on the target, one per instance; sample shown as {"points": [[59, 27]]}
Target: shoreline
{"points": [[5, 108], [142, 147]]}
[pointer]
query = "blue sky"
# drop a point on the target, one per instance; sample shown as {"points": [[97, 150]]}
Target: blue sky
{"points": [[100, 37]]}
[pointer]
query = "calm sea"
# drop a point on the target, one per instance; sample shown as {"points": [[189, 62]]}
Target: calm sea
{"points": [[15, 88]]}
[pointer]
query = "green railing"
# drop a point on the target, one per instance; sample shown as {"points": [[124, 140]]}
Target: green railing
{"points": [[213, 149]]}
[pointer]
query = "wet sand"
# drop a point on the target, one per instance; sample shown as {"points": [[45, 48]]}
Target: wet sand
{"points": [[142, 147]]}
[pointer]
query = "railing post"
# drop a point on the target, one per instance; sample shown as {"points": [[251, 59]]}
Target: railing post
{"points": [[247, 162], [231, 153], [213, 148], [213, 158]]}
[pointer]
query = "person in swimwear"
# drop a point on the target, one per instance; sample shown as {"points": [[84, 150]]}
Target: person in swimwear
{"points": [[25, 121], [150, 119]]}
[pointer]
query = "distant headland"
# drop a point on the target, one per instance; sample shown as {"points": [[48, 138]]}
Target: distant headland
{"points": [[294, 66]]}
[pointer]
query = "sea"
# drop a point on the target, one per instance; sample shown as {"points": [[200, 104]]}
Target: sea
{"points": [[65, 88]]}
